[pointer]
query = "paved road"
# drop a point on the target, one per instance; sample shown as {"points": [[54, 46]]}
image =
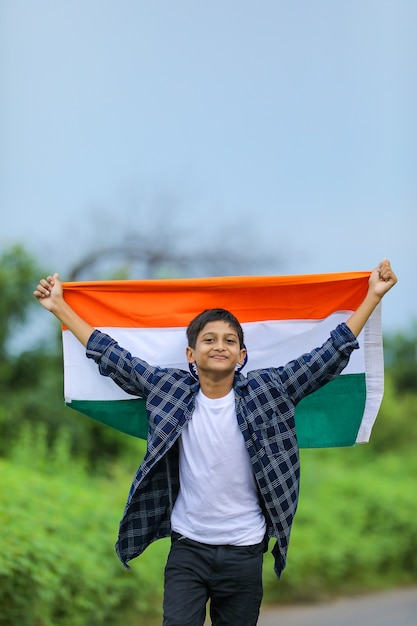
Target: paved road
{"points": [[393, 608]]}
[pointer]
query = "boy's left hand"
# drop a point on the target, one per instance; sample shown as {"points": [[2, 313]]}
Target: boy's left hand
{"points": [[382, 279]]}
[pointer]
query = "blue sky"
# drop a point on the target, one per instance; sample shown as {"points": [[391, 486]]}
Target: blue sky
{"points": [[285, 127]]}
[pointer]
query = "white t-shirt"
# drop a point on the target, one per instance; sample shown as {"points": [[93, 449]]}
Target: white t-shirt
{"points": [[218, 501]]}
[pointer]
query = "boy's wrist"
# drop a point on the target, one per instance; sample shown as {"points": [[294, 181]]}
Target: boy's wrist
{"points": [[374, 298], [58, 307]]}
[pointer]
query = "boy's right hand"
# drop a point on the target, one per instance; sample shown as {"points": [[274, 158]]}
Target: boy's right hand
{"points": [[49, 294], [49, 291]]}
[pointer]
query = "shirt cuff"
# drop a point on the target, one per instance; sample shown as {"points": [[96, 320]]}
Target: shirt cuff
{"points": [[97, 344], [343, 337]]}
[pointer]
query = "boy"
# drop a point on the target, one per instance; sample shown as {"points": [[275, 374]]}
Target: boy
{"points": [[221, 471]]}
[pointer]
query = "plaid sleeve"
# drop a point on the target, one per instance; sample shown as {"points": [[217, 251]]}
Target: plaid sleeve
{"points": [[318, 367], [132, 374]]}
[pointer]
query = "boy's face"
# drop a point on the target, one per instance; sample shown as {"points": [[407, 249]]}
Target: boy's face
{"points": [[217, 349]]}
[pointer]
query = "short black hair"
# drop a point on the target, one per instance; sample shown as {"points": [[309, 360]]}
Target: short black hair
{"points": [[213, 315]]}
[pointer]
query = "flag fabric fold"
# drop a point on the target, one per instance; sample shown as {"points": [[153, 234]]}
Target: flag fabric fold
{"points": [[282, 317]]}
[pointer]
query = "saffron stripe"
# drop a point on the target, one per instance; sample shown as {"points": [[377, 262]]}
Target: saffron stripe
{"points": [[173, 303]]}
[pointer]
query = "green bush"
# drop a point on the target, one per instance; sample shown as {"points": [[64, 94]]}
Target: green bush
{"points": [[355, 529], [396, 426], [57, 562]]}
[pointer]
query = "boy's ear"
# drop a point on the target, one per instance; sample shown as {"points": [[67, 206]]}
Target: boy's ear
{"points": [[242, 356], [189, 353]]}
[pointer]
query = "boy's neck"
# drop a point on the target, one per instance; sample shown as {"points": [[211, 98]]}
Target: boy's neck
{"points": [[213, 388]]}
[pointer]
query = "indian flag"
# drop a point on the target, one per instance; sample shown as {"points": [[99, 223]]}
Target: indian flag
{"points": [[282, 317]]}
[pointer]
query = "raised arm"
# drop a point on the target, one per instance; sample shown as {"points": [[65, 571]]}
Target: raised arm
{"points": [[49, 293], [382, 279]]}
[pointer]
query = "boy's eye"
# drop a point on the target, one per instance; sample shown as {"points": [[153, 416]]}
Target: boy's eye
{"points": [[227, 340]]}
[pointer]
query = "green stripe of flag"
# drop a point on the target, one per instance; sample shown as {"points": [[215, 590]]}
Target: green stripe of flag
{"points": [[330, 417]]}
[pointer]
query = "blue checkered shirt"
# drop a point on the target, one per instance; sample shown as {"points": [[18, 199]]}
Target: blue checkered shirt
{"points": [[265, 407]]}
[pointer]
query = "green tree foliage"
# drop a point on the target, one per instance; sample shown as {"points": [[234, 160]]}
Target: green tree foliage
{"points": [[396, 426], [20, 371], [17, 273], [31, 379], [401, 359]]}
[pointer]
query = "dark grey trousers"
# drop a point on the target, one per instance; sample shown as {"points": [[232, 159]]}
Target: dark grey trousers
{"points": [[229, 576]]}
